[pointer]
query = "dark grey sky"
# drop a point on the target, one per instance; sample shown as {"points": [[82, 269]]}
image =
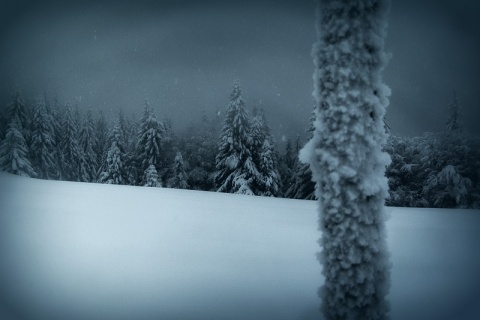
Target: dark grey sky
{"points": [[183, 56]]}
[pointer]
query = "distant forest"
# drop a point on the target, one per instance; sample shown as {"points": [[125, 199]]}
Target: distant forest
{"points": [[232, 154]]}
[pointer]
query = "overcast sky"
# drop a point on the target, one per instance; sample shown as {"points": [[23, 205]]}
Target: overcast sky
{"points": [[183, 56]]}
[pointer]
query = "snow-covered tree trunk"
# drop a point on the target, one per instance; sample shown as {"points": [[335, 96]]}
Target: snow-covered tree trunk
{"points": [[347, 160]]}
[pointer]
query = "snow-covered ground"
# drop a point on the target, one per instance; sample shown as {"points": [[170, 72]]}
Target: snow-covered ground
{"points": [[92, 251]]}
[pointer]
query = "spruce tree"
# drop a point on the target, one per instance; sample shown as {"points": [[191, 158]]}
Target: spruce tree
{"points": [[54, 118], [87, 145], [406, 175], [453, 122], [113, 169], [301, 185], [267, 182], [150, 142], [3, 125], [16, 108], [198, 144], [151, 178], [270, 182], [285, 166], [71, 155], [179, 179], [347, 160], [451, 165], [101, 142], [42, 149], [14, 152], [235, 170]]}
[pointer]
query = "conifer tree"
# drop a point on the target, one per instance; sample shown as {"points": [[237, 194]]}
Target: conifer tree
{"points": [[267, 182], [150, 141], [289, 158], [151, 178], [113, 169], [101, 142], [14, 152], [235, 169], [131, 130], [259, 132], [42, 149], [179, 176], [54, 118], [451, 165], [17, 108], [87, 145], [3, 125], [199, 151], [71, 155], [301, 185], [347, 160], [453, 122], [405, 174], [270, 182]]}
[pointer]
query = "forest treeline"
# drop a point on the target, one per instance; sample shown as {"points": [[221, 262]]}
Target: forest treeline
{"points": [[235, 154]]}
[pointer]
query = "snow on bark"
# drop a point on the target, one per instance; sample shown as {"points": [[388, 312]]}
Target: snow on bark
{"points": [[346, 157]]}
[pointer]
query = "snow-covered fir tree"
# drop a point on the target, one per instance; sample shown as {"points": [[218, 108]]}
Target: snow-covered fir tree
{"points": [[101, 142], [267, 182], [71, 155], [301, 185], [450, 162], [448, 188], [179, 179], [199, 151], [285, 166], [270, 182], [453, 122], [406, 175], [16, 108], [128, 140], [347, 160], [42, 148], [169, 149], [54, 118], [151, 178], [235, 170], [113, 169], [14, 151], [87, 145], [259, 130], [150, 141], [3, 124]]}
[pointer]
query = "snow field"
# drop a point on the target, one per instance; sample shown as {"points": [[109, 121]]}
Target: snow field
{"points": [[92, 251]]}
